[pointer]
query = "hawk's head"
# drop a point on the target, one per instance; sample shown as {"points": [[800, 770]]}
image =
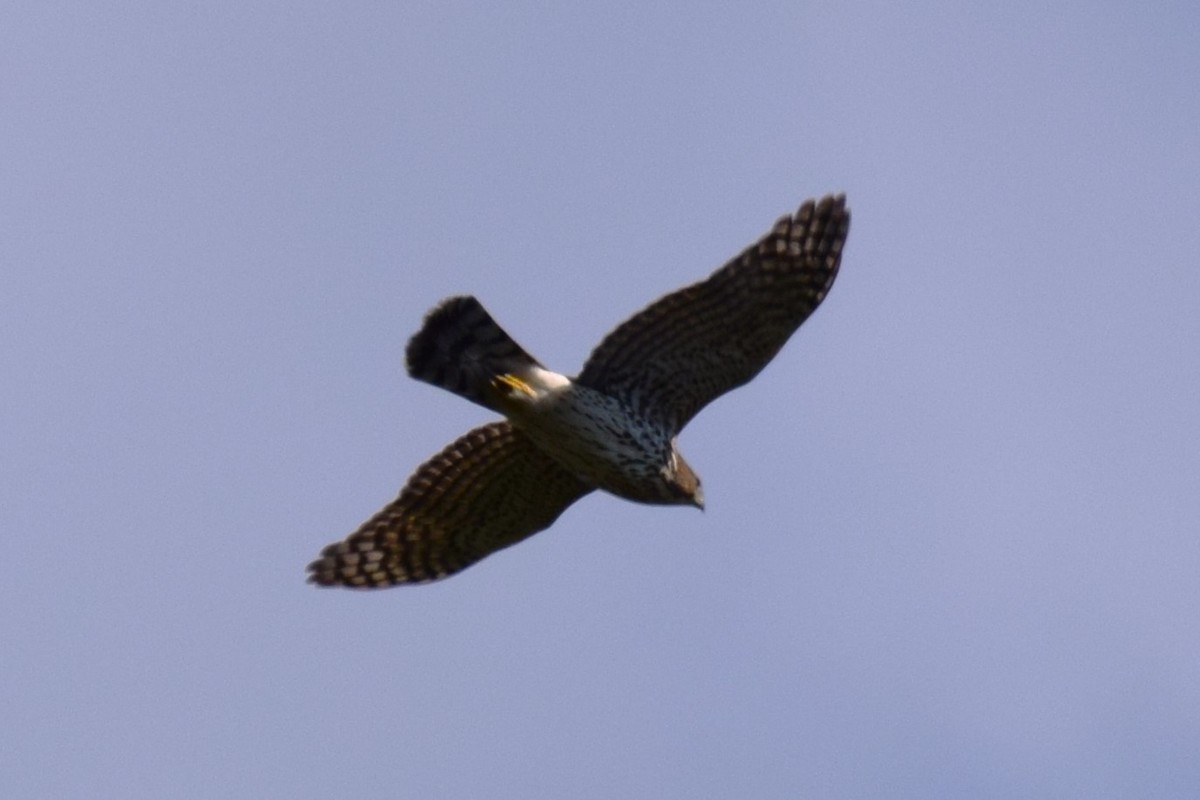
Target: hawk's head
{"points": [[680, 483]]}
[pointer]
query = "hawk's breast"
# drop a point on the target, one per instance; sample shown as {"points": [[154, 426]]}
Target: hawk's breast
{"points": [[598, 438]]}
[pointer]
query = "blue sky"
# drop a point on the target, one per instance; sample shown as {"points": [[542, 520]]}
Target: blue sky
{"points": [[951, 545]]}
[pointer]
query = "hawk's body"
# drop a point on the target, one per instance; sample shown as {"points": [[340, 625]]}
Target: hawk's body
{"points": [[594, 435], [613, 427]]}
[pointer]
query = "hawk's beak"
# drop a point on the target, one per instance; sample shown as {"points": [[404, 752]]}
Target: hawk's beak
{"points": [[698, 498]]}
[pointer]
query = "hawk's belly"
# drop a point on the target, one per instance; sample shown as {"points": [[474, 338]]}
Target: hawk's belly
{"points": [[599, 439]]}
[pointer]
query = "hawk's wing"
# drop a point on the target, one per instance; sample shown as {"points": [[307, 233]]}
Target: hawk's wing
{"points": [[488, 489], [683, 351]]}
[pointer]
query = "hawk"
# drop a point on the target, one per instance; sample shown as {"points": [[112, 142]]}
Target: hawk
{"points": [[613, 427]]}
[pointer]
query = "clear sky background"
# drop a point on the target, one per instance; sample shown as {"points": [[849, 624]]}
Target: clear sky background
{"points": [[952, 545]]}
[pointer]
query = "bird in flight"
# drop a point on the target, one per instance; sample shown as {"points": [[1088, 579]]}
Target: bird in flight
{"points": [[613, 427]]}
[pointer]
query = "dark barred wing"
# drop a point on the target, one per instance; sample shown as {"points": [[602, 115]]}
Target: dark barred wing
{"points": [[683, 351], [487, 490]]}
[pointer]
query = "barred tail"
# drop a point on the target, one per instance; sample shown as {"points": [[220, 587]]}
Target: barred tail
{"points": [[461, 348]]}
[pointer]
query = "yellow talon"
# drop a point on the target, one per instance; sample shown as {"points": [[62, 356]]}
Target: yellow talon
{"points": [[513, 383]]}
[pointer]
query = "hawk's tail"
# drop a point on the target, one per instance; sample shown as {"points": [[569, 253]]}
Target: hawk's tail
{"points": [[462, 349]]}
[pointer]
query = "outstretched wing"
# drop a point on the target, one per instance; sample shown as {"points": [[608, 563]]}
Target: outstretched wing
{"points": [[487, 490], [683, 351]]}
